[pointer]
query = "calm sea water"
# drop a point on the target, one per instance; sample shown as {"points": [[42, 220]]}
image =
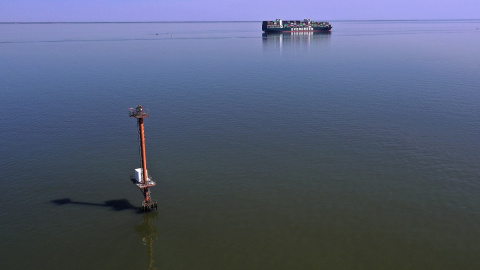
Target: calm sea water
{"points": [[354, 150]]}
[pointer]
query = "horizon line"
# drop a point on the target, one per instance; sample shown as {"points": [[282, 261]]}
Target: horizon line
{"points": [[220, 21]]}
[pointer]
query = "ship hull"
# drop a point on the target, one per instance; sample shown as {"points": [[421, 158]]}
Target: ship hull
{"points": [[306, 25], [299, 29]]}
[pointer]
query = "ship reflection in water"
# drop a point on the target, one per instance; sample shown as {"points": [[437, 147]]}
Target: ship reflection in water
{"points": [[294, 40], [148, 232]]}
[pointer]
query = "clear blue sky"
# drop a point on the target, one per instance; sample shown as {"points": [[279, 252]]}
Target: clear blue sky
{"points": [[256, 10]]}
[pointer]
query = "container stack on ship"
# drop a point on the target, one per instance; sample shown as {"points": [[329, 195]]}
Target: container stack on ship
{"points": [[307, 25]]}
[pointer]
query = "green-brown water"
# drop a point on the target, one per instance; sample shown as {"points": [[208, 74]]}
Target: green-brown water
{"points": [[354, 150]]}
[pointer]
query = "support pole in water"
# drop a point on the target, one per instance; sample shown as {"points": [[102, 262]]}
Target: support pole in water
{"points": [[143, 180], [143, 157]]}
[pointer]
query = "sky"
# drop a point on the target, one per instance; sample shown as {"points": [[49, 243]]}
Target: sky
{"points": [[233, 10]]}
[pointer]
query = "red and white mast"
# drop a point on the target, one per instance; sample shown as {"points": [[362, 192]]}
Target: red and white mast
{"points": [[143, 180]]}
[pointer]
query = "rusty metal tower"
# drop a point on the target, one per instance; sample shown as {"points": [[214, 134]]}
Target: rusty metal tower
{"points": [[142, 179]]}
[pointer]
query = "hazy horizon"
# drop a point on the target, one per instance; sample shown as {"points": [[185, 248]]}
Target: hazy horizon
{"points": [[234, 10], [214, 21]]}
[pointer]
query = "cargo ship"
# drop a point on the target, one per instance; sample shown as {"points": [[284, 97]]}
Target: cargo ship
{"points": [[307, 25]]}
